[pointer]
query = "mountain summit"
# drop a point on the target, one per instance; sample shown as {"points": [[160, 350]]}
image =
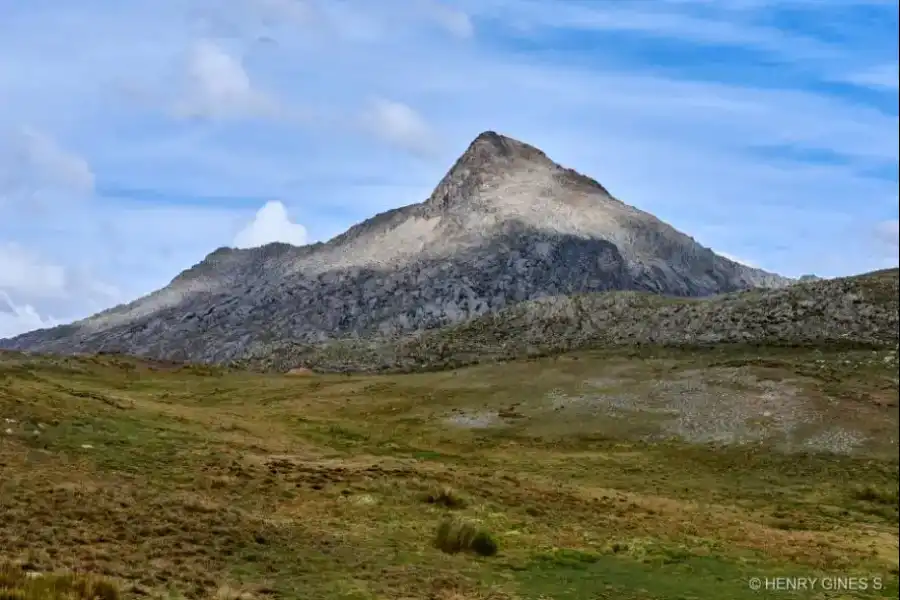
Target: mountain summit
{"points": [[504, 225], [489, 158]]}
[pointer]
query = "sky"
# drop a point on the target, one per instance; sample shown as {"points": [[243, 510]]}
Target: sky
{"points": [[137, 136]]}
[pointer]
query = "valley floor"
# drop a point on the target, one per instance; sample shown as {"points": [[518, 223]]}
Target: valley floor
{"points": [[656, 474]]}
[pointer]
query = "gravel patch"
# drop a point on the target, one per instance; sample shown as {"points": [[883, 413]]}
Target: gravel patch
{"points": [[477, 420], [837, 440], [706, 413], [727, 407]]}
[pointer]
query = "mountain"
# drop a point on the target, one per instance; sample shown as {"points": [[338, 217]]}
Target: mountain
{"points": [[506, 224]]}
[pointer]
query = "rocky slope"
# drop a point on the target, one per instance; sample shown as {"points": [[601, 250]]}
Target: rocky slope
{"points": [[505, 225], [855, 311]]}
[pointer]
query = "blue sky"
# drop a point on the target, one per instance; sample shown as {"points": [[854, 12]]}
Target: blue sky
{"points": [[136, 136]]}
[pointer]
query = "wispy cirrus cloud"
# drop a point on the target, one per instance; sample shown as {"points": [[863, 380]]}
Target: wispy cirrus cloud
{"points": [[886, 76], [33, 165]]}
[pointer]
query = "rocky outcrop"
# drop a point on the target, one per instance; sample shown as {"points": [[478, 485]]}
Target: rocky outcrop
{"points": [[853, 311], [504, 226]]}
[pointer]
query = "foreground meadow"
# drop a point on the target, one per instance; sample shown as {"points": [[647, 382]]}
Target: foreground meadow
{"points": [[653, 474]]}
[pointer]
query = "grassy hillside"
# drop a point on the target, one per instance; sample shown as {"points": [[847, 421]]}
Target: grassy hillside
{"points": [[657, 474], [855, 311]]}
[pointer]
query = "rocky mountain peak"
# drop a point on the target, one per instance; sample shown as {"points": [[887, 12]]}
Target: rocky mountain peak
{"points": [[490, 145], [491, 166]]}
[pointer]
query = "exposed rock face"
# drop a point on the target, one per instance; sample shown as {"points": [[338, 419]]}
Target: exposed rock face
{"points": [[505, 225], [861, 311]]}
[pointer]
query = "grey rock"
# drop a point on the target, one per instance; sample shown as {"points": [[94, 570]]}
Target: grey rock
{"points": [[846, 312], [506, 225]]}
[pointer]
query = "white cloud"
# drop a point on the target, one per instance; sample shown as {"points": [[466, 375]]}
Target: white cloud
{"points": [[738, 259], [735, 23], [24, 272], [33, 164], [399, 124], [24, 275], [887, 234], [218, 87], [883, 76], [33, 287], [271, 224], [54, 163], [657, 19], [298, 12], [20, 318], [450, 18]]}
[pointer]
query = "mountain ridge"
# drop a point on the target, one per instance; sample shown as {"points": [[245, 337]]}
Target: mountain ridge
{"points": [[504, 225], [861, 311]]}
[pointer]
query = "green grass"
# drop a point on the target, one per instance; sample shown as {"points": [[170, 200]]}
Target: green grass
{"points": [[187, 482], [672, 575]]}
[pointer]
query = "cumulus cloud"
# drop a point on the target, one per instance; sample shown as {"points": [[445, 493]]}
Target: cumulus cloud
{"points": [[218, 87], [399, 124], [271, 224]]}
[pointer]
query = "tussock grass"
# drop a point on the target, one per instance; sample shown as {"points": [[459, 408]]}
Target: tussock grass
{"points": [[888, 496], [447, 497], [460, 535]]}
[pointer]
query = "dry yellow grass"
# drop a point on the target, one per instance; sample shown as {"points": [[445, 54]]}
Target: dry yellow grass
{"points": [[17, 582]]}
